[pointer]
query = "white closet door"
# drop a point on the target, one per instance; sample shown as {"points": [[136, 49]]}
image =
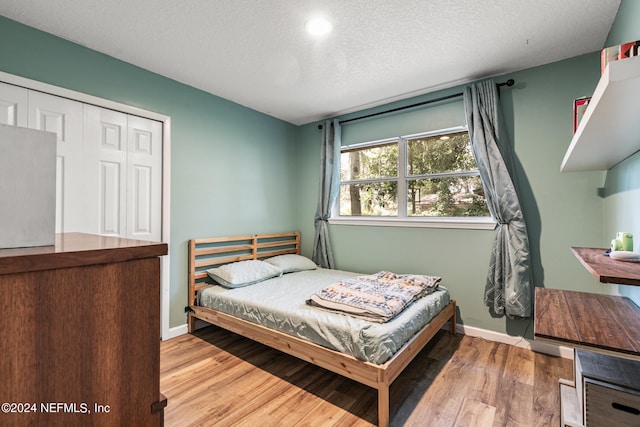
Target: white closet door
{"points": [[63, 117], [105, 169], [144, 179], [109, 164], [13, 105]]}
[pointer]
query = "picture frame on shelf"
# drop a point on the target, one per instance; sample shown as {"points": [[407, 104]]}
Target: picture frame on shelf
{"points": [[628, 50], [579, 108], [618, 52]]}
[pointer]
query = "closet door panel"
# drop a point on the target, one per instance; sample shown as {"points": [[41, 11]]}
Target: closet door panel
{"points": [[141, 192], [110, 192], [144, 198], [105, 140], [13, 105], [63, 117]]}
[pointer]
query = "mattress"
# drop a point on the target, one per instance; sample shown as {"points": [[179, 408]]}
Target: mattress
{"points": [[279, 304]]}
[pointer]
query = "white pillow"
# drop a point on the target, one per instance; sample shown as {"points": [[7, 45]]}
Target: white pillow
{"points": [[291, 263], [243, 273]]}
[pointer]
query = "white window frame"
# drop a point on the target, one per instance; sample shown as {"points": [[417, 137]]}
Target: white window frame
{"points": [[402, 219]]}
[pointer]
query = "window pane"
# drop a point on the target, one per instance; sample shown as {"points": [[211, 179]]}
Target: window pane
{"points": [[371, 162], [369, 199], [440, 153], [455, 196]]}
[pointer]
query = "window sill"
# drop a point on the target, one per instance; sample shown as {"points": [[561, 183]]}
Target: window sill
{"points": [[469, 223]]}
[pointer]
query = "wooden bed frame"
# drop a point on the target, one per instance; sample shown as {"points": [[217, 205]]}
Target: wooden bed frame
{"points": [[210, 252]]}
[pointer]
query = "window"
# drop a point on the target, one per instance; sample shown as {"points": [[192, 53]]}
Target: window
{"points": [[429, 177]]}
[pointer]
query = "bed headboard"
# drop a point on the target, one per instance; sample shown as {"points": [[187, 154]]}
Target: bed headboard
{"points": [[214, 251]]}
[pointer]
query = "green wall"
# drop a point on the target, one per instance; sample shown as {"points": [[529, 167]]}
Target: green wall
{"points": [[562, 210], [230, 166], [234, 170], [621, 195]]}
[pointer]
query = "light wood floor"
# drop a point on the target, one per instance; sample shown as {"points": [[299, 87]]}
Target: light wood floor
{"points": [[217, 378]]}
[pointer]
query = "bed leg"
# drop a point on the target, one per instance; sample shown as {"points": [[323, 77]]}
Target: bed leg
{"points": [[383, 405], [191, 322], [452, 327]]}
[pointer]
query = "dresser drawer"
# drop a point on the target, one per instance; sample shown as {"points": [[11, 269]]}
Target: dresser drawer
{"points": [[608, 405]]}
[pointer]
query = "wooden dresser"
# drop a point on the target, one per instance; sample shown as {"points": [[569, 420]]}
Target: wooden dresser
{"points": [[80, 333]]}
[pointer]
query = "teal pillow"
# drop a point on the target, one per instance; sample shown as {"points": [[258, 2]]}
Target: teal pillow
{"points": [[291, 263], [243, 273]]}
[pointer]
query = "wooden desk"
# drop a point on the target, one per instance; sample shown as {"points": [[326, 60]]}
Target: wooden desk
{"points": [[600, 323], [80, 332], [605, 324]]}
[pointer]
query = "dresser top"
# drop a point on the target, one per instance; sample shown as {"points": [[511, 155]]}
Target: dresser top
{"points": [[77, 249], [608, 324]]}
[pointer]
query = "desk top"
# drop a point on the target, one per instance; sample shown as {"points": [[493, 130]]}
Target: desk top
{"points": [[75, 250], [602, 323], [607, 270]]}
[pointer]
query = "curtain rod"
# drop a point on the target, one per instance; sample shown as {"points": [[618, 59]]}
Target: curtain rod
{"points": [[509, 82]]}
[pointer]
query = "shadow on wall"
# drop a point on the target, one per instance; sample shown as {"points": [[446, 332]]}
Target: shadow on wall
{"points": [[622, 178], [531, 213]]}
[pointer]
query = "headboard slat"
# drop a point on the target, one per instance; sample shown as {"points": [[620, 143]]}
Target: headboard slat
{"points": [[276, 253], [221, 250], [274, 244], [224, 239], [210, 252], [211, 262]]}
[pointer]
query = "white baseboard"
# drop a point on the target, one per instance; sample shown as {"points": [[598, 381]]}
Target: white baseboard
{"points": [[175, 332], [182, 329], [537, 346]]}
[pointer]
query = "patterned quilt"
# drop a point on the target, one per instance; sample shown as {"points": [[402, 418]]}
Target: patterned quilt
{"points": [[378, 297]]}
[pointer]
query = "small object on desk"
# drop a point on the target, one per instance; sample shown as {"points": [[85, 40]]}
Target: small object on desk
{"points": [[625, 256], [626, 241], [616, 245]]}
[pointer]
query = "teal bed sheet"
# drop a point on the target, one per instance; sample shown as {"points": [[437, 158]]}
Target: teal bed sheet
{"points": [[279, 304]]}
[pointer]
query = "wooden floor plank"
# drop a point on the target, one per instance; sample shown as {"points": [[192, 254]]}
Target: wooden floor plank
{"points": [[516, 408], [475, 414], [546, 372], [217, 378], [520, 365], [485, 368]]}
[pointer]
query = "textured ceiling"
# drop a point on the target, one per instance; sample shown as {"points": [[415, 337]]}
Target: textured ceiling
{"points": [[256, 52]]}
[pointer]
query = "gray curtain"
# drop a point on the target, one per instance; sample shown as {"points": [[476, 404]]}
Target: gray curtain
{"points": [[329, 188], [509, 281]]}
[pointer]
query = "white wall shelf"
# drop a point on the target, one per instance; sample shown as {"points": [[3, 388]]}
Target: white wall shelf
{"points": [[610, 129]]}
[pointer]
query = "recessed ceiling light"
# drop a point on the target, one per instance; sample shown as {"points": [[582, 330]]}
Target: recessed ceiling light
{"points": [[318, 26]]}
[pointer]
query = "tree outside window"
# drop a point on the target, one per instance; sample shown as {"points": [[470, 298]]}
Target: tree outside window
{"points": [[427, 175]]}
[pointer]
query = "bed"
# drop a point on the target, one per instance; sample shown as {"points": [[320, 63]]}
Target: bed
{"points": [[371, 353]]}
